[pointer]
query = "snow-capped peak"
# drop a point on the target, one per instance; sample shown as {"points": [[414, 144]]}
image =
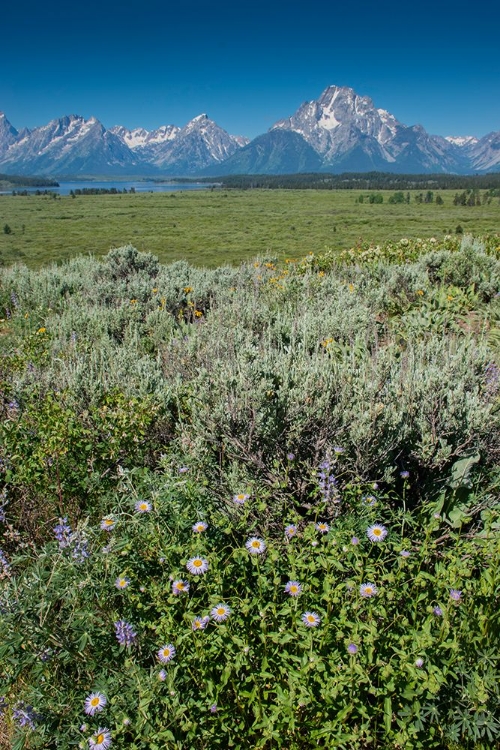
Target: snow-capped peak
{"points": [[462, 140]]}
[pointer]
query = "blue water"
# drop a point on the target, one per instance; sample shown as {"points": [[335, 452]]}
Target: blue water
{"points": [[140, 187]]}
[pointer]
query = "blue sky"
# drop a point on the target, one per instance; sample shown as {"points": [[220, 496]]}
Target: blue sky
{"points": [[248, 64]]}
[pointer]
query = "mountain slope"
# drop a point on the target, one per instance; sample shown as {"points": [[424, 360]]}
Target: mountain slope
{"points": [[276, 152]]}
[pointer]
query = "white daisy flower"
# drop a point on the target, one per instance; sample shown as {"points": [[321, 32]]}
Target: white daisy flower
{"points": [[368, 589], [256, 546], [376, 533], [142, 506], [199, 527], [180, 587]]}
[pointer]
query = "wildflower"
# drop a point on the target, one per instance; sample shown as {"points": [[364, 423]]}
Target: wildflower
{"points": [[311, 619], [220, 613], [352, 648], [290, 530], [94, 703], [455, 594], [83, 727], [354, 540], [197, 565], [404, 474], [180, 587], [322, 527], [122, 582], [200, 623], [183, 469], [290, 456], [376, 533], [80, 547], [405, 553], [125, 634], [369, 500], [3, 705], [240, 499], [255, 546], [437, 611], [368, 589], [337, 449], [419, 662], [166, 653], [142, 506], [126, 722], [162, 675], [4, 564], [327, 482], [108, 523], [101, 740], [293, 588], [213, 708], [62, 533], [25, 715], [200, 526]]}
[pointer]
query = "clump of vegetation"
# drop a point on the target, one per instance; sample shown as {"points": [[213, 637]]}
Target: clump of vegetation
{"points": [[252, 507]]}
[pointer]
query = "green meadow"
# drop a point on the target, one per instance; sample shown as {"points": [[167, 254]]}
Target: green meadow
{"points": [[224, 226]]}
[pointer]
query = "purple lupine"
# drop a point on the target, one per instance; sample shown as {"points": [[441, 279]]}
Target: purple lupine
{"points": [[63, 533], [492, 378], [25, 715], [327, 482], [125, 634], [4, 564], [80, 548]]}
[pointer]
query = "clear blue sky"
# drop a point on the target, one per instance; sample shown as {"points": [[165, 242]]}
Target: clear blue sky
{"points": [[247, 64]]}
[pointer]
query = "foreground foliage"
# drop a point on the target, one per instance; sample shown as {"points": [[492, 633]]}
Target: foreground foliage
{"points": [[255, 506]]}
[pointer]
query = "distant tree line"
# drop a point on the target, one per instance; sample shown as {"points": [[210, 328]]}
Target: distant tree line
{"points": [[100, 191], [358, 181], [12, 179]]}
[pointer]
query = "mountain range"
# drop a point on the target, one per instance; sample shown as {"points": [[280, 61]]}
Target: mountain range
{"points": [[338, 132]]}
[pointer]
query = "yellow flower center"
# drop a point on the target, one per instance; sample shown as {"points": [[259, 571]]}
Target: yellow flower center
{"points": [[294, 589], [368, 590], [221, 611], [100, 738], [94, 702], [197, 563]]}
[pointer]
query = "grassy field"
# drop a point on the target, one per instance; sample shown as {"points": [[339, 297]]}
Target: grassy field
{"points": [[210, 228]]}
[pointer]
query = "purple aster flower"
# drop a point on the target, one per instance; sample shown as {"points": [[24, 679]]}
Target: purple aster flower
{"points": [[290, 530], [293, 588], [455, 594], [419, 663], [162, 675], [376, 533], [200, 623], [352, 648], [354, 540], [404, 474], [311, 619], [405, 553], [213, 708], [125, 634], [438, 611], [183, 469], [290, 456]]}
